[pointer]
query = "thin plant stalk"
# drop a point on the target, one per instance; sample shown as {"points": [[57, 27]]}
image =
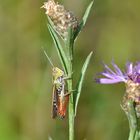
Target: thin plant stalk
{"points": [[69, 45], [132, 134], [71, 112], [137, 136], [132, 118]]}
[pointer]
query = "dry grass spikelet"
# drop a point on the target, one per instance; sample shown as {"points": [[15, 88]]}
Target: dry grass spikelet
{"points": [[61, 18]]}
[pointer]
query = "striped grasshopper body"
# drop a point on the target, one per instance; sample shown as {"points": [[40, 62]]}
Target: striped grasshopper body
{"points": [[60, 97]]}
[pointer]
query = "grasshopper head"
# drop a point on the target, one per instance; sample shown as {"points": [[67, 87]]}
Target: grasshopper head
{"points": [[57, 72]]}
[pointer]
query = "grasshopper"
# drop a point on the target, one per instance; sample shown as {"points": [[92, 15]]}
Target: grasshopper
{"points": [[60, 97]]}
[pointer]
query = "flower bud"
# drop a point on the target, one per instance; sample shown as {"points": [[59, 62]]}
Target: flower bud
{"points": [[132, 93], [61, 18]]}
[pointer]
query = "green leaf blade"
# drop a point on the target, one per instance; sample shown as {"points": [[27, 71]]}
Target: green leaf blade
{"points": [[84, 19], [80, 82], [61, 53], [69, 42]]}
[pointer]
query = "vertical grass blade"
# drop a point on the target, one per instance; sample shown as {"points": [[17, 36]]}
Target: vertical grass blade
{"points": [[59, 48], [80, 82], [53, 26]]}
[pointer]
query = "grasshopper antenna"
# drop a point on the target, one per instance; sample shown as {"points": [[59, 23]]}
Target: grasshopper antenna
{"points": [[48, 58]]}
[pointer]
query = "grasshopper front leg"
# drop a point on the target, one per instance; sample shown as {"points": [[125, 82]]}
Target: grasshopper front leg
{"points": [[68, 93], [68, 77]]}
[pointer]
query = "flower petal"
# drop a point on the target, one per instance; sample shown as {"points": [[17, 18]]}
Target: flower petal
{"points": [[129, 68], [117, 69], [108, 81]]}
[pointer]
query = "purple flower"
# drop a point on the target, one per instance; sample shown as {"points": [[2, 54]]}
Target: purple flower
{"points": [[116, 75]]}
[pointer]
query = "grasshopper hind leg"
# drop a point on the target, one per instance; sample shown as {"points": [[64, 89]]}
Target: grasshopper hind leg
{"points": [[54, 104], [54, 110]]}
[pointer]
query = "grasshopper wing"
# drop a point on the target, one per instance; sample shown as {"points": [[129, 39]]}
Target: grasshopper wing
{"points": [[62, 106], [54, 102]]}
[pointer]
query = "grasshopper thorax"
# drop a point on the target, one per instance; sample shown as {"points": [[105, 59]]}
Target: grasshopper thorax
{"points": [[57, 72]]}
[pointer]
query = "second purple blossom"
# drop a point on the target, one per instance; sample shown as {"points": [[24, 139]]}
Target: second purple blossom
{"points": [[115, 75]]}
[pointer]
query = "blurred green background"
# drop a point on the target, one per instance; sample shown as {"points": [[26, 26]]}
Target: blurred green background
{"points": [[112, 32]]}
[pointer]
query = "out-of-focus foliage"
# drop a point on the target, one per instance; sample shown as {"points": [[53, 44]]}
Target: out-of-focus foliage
{"points": [[112, 32]]}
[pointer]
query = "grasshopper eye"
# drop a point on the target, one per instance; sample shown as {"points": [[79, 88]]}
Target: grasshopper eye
{"points": [[54, 71]]}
